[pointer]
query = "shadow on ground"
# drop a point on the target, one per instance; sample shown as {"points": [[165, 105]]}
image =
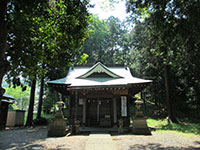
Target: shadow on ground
{"points": [[22, 138], [155, 146], [36, 138]]}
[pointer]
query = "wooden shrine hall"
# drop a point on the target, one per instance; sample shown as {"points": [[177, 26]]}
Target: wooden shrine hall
{"points": [[99, 95]]}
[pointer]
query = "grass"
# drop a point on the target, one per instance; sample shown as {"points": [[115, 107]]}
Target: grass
{"points": [[156, 123], [184, 127]]}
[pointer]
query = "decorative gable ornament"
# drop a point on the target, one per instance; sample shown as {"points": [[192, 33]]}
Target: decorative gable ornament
{"points": [[99, 69]]}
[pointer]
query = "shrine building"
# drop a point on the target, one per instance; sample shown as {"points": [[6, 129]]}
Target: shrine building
{"points": [[99, 95]]}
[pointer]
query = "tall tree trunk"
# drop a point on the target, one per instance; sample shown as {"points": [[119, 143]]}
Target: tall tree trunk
{"points": [[4, 64], [29, 121], [171, 117], [40, 98]]}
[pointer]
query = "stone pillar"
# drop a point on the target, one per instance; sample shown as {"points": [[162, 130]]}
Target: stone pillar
{"points": [[139, 121]]}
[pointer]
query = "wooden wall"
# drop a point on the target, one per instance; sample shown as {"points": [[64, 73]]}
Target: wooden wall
{"points": [[105, 108]]}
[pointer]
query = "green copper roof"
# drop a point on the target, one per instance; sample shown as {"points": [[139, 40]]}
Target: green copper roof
{"points": [[81, 77]]}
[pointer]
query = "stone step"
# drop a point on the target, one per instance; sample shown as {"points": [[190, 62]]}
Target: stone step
{"points": [[100, 141]]}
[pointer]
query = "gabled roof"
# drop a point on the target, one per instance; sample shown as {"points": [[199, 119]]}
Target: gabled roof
{"points": [[99, 68], [79, 77]]}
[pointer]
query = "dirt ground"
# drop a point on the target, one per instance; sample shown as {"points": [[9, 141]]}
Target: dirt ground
{"points": [[36, 139], [158, 141]]}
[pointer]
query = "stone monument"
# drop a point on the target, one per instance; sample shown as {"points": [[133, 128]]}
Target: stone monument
{"points": [[58, 126], [139, 121]]}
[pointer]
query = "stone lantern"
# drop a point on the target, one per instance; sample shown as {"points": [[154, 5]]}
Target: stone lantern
{"points": [[139, 121], [58, 126]]}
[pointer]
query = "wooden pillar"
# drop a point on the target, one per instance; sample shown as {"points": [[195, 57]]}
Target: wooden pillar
{"points": [[98, 111], [84, 111], [70, 109], [114, 111], [76, 105]]}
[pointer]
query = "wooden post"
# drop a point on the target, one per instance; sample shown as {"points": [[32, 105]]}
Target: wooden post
{"points": [[98, 110], [76, 121], [76, 105], [84, 111], [114, 111]]}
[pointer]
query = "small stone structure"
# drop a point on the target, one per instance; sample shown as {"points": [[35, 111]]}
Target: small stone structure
{"points": [[77, 126], [139, 122], [58, 126], [120, 129]]}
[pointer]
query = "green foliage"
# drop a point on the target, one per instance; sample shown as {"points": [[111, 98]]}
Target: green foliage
{"points": [[22, 97], [42, 33], [156, 41], [108, 43], [156, 123], [95, 45], [168, 36], [83, 59]]}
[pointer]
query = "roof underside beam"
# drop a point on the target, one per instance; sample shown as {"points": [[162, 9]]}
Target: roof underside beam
{"points": [[132, 88]]}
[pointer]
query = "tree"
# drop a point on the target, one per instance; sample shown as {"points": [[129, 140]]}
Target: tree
{"points": [[41, 34], [51, 96], [40, 98], [108, 42], [95, 45], [31, 103], [173, 26], [115, 33], [4, 65]]}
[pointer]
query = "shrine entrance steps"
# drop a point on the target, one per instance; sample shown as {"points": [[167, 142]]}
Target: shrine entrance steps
{"points": [[100, 141]]}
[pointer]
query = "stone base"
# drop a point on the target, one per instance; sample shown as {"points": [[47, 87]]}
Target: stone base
{"points": [[56, 133], [140, 126], [58, 127]]}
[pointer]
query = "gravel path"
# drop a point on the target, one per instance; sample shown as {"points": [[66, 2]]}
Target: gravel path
{"points": [[158, 141], [36, 138]]}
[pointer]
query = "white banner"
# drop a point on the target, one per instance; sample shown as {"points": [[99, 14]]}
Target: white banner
{"points": [[124, 106]]}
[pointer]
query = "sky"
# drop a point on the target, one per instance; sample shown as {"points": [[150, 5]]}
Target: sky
{"points": [[119, 11]]}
